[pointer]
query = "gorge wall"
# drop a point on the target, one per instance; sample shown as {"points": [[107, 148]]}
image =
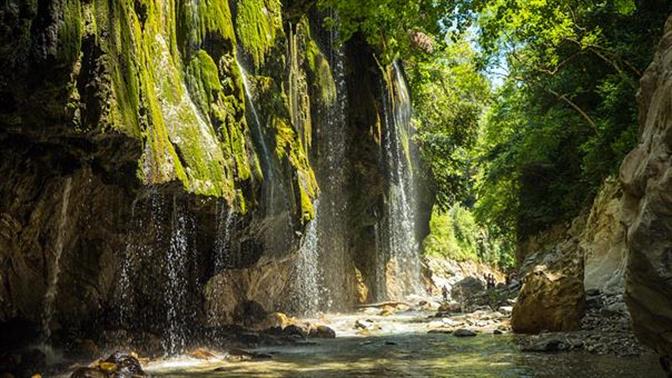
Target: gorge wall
{"points": [[170, 162], [564, 262], [646, 178]]}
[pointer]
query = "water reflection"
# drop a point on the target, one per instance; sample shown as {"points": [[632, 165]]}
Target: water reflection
{"points": [[403, 348]]}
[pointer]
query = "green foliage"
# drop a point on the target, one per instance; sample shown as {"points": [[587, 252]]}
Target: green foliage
{"points": [[387, 25], [449, 95], [565, 115], [454, 234]]}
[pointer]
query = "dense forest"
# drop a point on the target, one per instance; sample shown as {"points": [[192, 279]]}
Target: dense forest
{"points": [[522, 108]]}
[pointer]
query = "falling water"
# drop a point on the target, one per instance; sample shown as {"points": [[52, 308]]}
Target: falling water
{"points": [[403, 248], [333, 206], [176, 266], [307, 283], [52, 284], [128, 266], [224, 257], [256, 125]]}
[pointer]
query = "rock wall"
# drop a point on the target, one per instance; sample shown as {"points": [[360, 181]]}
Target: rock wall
{"points": [[569, 259], [163, 153], [552, 295], [603, 242], [646, 176]]}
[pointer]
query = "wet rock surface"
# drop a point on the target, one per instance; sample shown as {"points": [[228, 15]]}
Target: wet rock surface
{"points": [[117, 365]]}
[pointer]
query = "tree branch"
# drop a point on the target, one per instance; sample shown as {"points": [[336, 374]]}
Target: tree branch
{"points": [[578, 109]]}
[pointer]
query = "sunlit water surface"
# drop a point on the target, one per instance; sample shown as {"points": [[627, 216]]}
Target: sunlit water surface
{"points": [[402, 347]]}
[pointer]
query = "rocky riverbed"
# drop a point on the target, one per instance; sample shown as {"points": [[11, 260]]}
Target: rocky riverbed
{"points": [[417, 338]]}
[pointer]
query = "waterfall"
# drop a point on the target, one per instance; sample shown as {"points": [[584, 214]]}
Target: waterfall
{"points": [[256, 127], [52, 283], [403, 259], [332, 173], [224, 257], [307, 282], [177, 260], [128, 265]]}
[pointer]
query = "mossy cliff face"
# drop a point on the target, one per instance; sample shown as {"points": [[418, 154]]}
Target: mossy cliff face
{"points": [[131, 94], [163, 121]]}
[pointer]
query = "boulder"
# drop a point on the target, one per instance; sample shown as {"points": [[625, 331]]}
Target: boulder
{"points": [[552, 296], [322, 332], [118, 364], [548, 345], [463, 332], [244, 355], [467, 287], [646, 177], [448, 307]]}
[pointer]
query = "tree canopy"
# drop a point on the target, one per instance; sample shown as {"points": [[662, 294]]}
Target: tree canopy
{"points": [[522, 107]]}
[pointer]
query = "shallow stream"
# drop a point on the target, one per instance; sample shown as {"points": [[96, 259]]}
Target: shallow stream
{"points": [[402, 347]]}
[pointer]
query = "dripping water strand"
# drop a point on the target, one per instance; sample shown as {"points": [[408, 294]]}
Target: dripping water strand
{"points": [[402, 247], [52, 284], [224, 254], [128, 265], [176, 266], [307, 282]]}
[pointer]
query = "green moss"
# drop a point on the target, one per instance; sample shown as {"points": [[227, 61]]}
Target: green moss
{"points": [[70, 33], [320, 73], [258, 23], [203, 80], [198, 20], [289, 146], [175, 85], [125, 78], [284, 137]]}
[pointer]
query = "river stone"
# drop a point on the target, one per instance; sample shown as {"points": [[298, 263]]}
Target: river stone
{"points": [[322, 332], [646, 176], [548, 345], [552, 296], [463, 332]]}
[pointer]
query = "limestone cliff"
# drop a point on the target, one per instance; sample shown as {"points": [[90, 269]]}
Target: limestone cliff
{"points": [[646, 175], [568, 259], [161, 159]]}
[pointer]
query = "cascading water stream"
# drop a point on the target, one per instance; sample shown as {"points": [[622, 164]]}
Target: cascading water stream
{"points": [[52, 283], [128, 266], [224, 257], [257, 127], [323, 268], [307, 282], [332, 169], [177, 260], [403, 247]]}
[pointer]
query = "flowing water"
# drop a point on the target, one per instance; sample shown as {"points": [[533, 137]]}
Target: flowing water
{"points": [[401, 255], [404, 348], [332, 168], [52, 283], [224, 257], [257, 126], [177, 260], [129, 264], [306, 285]]}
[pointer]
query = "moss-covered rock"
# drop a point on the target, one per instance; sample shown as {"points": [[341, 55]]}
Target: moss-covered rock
{"points": [[258, 24]]}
